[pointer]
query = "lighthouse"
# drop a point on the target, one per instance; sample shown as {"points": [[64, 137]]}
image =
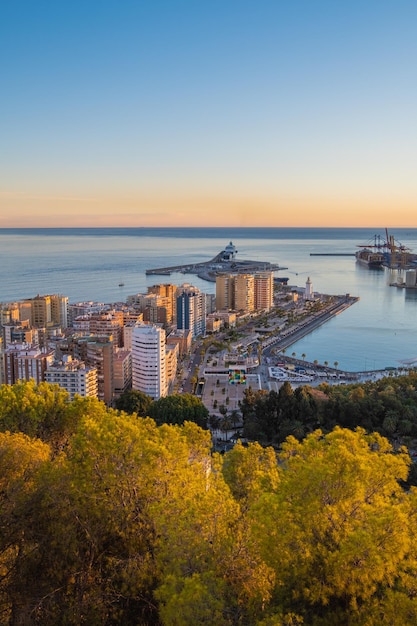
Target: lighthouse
{"points": [[308, 292]]}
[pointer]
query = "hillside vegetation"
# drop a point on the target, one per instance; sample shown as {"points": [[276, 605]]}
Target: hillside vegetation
{"points": [[108, 518]]}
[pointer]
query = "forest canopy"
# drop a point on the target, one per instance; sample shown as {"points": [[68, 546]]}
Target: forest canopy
{"points": [[108, 518]]}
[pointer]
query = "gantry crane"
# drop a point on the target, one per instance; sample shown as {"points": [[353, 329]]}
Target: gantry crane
{"points": [[398, 253]]}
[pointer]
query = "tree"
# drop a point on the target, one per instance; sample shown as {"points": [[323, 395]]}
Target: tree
{"points": [[178, 408], [134, 401], [250, 472], [303, 356], [337, 531], [42, 411]]}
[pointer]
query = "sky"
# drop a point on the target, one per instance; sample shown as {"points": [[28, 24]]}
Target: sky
{"points": [[216, 113]]}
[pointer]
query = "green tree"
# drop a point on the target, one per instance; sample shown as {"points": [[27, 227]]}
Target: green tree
{"points": [[134, 401], [337, 530], [42, 411], [178, 408]]}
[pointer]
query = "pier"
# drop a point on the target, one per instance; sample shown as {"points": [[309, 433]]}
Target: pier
{"points": [[332, 254], [208, 270]]}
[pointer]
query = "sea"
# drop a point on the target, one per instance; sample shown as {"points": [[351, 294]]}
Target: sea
{"points": [[108, 264]]}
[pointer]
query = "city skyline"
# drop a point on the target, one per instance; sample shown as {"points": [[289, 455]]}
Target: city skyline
{"points": [[224, 114]]}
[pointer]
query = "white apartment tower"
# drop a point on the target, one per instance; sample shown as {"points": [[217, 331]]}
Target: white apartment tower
{"points": [[148, 360]]}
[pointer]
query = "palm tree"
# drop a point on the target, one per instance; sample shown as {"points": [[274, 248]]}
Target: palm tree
{"points": [[336, 363], [294, 354], [326, 363], [303, 356]]}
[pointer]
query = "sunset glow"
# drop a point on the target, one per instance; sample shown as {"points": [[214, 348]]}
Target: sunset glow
{"points": [[216, 114]]}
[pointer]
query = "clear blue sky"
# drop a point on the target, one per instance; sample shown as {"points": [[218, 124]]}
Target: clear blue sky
{"points": [[222, 112]]}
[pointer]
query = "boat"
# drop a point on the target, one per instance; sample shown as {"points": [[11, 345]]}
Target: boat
{"points": [[121, 284], [372, 259]]}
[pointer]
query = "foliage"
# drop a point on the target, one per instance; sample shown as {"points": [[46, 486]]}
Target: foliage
{"points": [[178, 408], [134, 401], [387, 406], [131, 522]]}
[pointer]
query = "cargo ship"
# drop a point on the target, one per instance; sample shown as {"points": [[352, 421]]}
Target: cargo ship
{"points": [[370, 258]]}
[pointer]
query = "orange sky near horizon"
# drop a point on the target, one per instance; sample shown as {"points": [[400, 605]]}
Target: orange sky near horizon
{"points": [[161, 209]]}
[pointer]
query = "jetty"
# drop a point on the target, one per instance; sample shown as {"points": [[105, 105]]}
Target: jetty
{"points": [[223, 263], [332, 254]]}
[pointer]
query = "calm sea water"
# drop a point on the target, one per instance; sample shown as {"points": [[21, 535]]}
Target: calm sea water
{"points": [[89, 264]]}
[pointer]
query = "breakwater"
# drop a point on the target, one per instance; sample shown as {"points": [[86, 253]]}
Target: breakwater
{"points": [[208, 270]]}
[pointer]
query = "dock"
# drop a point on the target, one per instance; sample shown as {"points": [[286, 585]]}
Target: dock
{"points": [[208, 270], [332, 254]]}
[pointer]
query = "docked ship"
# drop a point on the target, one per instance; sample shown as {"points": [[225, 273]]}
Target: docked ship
{"points": [[385, 252], [371, 258]]}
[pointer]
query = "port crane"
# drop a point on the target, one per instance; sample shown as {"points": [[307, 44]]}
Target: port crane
{"points": [[396, 255]]}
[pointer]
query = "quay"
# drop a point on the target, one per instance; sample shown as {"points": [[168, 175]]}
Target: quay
{"points": [[332, 254], [223, 262], [301, 329]]}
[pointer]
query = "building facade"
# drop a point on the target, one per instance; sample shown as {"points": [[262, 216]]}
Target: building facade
{"points": [[73, 376], [191, 310], [149, 360]]}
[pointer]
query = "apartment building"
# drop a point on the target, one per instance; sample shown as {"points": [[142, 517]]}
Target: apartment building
{"points": [[149, 360], [264, 291], [245, 292], [191, 310], [49, 310], [73, 376], [95, 351], [122, 371], [26, 362]]}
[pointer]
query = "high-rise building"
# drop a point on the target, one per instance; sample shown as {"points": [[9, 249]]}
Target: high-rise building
{"points": [[224, 292], [59, 310], [167, 299], [149, 360], [244, 292], [49, 310], [73, 376], [191, 310], [41, 311], [264, 291], [122, 371]]}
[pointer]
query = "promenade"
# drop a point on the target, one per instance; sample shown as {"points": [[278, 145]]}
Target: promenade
{"points": [[300, 329]]}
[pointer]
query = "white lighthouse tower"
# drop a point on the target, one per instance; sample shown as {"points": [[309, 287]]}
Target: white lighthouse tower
{"points": [[308, 292]]}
